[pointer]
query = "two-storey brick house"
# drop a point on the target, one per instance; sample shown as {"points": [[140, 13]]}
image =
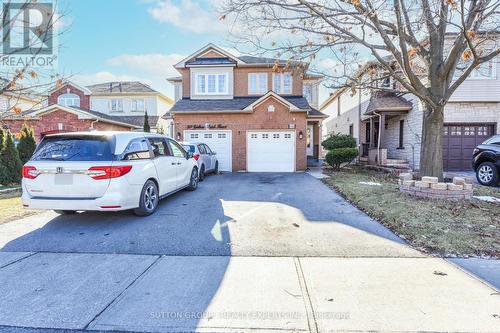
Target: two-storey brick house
{"points": [[107, 106], [257, 114]]}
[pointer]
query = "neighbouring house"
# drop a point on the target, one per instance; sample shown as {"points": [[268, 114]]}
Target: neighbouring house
{"points": [[118, 106], [388, 126], [258, 114]]}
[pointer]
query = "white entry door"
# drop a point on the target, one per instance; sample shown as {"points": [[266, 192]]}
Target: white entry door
{"points": [[271, 151], [219, 141]]}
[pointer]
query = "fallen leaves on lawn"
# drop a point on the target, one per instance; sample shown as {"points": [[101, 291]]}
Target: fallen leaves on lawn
{"points": [[439, 273], [296, 225]]}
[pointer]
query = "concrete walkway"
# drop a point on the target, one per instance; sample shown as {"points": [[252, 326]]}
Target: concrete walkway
{"points": [[233, 294]]}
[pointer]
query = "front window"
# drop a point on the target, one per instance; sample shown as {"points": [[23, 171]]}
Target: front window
{"points": [[116, 105], [307, 92], [69, 100], [137, 105], [282, 83], [211, 84], [257, 83]]}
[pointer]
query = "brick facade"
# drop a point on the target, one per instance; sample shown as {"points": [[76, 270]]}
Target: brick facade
{"points": [[49, 123], [259, 119], [67, 88]]}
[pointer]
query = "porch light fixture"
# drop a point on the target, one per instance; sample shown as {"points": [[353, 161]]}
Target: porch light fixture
{"points": [[301, 135], [178, 135]]}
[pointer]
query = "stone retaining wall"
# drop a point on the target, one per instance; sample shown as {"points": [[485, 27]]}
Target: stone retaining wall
{"points": [[429, 187]]}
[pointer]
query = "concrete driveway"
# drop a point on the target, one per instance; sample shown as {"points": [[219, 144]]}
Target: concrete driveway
{"points": [[244, 253]]}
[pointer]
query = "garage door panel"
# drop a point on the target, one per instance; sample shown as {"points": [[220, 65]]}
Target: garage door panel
{"points": [[218, 141], [271, 151], [459, 141]]}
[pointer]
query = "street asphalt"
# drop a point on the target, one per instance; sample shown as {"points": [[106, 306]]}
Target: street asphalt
{"points": [[245, 252]]}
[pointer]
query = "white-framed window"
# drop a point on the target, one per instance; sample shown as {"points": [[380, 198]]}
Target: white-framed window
{"points": [[257, 83], [253, 136], [211, 84], [288, 136], [486, 70], [265, 136], [307, 92], [138, 104], [276, 136], [221, 135], [69, 100], [208, 135], [116, 104], [194, 136], [282, 83]]}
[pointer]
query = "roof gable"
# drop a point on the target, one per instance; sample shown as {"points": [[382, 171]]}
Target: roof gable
{"points": [[63, 84], [272, 94], [205, 50]]}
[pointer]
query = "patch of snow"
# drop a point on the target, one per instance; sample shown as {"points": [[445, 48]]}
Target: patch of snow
{"points": [[370, 183], [487, 198]]}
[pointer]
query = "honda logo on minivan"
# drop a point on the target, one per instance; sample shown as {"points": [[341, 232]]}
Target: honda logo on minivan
{"points": [[59, 170]]}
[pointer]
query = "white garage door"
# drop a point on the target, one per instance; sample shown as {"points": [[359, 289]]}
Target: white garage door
{"points": [[271, 151], [218, 141]]}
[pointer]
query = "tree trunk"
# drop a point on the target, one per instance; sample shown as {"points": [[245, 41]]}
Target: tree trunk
{"points": [[431, 150]]}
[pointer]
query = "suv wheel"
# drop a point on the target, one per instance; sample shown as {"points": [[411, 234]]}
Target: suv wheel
{"points": [[193, 182], [148, 202], [487, 174], [202, 173]]}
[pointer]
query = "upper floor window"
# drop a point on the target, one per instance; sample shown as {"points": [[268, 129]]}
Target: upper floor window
{"points": [[257, 83], [69, 100], [282, 83], [211, 84], [116, 104], [307, 92], [138, 105]]}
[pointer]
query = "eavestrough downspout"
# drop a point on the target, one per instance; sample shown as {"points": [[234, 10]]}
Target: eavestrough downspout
{"points": [[379, 135]]}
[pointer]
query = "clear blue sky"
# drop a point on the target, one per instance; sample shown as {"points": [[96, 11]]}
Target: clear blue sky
{"points": [[107, 40]]}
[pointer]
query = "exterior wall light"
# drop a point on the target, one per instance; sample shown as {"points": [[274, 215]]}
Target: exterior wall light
{"points": [[178, 136], [301, 135]]}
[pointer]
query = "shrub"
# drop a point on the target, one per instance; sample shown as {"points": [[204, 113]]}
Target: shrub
{"points": [[146, 128], [336, 157], [9, 158], [339, 141], [27, 144]]}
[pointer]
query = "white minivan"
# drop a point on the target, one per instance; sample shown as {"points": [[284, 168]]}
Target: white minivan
{"points": [[106, 171]]}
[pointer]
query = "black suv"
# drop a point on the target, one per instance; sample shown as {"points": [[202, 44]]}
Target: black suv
{"points": [[486, 161]]}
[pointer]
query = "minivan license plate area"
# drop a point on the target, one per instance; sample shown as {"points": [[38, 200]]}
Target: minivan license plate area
{"points": [[63, 179]]}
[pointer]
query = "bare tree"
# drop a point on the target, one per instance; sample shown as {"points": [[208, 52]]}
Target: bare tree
{"points": [[28, 53], [428, 46]]}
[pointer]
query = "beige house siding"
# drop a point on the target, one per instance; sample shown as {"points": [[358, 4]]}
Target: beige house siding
{"points": [[480, 89], [473, 113]]}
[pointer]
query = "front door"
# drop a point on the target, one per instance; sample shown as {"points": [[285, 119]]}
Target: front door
{"points": [[310, 143]]}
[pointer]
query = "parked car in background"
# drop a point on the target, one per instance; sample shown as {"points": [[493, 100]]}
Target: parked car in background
{"points": [[106, 171], [206, 158], [486, 161]]}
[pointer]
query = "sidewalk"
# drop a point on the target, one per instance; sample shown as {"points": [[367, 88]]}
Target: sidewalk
{"points": [[228, 294]]}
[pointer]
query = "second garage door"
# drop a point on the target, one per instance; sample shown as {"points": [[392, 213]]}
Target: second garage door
{"points": [[218, 141], [459, 141], [271, 151]]}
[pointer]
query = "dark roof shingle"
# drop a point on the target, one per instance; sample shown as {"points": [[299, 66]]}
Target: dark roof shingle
{"points": [[121, 87], [386, 101]]}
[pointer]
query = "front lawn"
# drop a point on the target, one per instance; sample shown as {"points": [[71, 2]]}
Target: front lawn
{"points": [[434, 226], [11, 208]]}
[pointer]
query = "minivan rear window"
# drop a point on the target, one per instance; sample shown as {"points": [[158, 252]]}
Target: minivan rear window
{"points": [[74, 148]]}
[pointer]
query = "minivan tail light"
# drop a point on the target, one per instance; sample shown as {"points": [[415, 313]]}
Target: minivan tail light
{"points": [[108, 172], [30, 172], [196, 156]]}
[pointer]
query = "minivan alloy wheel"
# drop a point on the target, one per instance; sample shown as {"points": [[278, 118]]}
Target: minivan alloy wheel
{"points": [[150, 197], [485, 173]]}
